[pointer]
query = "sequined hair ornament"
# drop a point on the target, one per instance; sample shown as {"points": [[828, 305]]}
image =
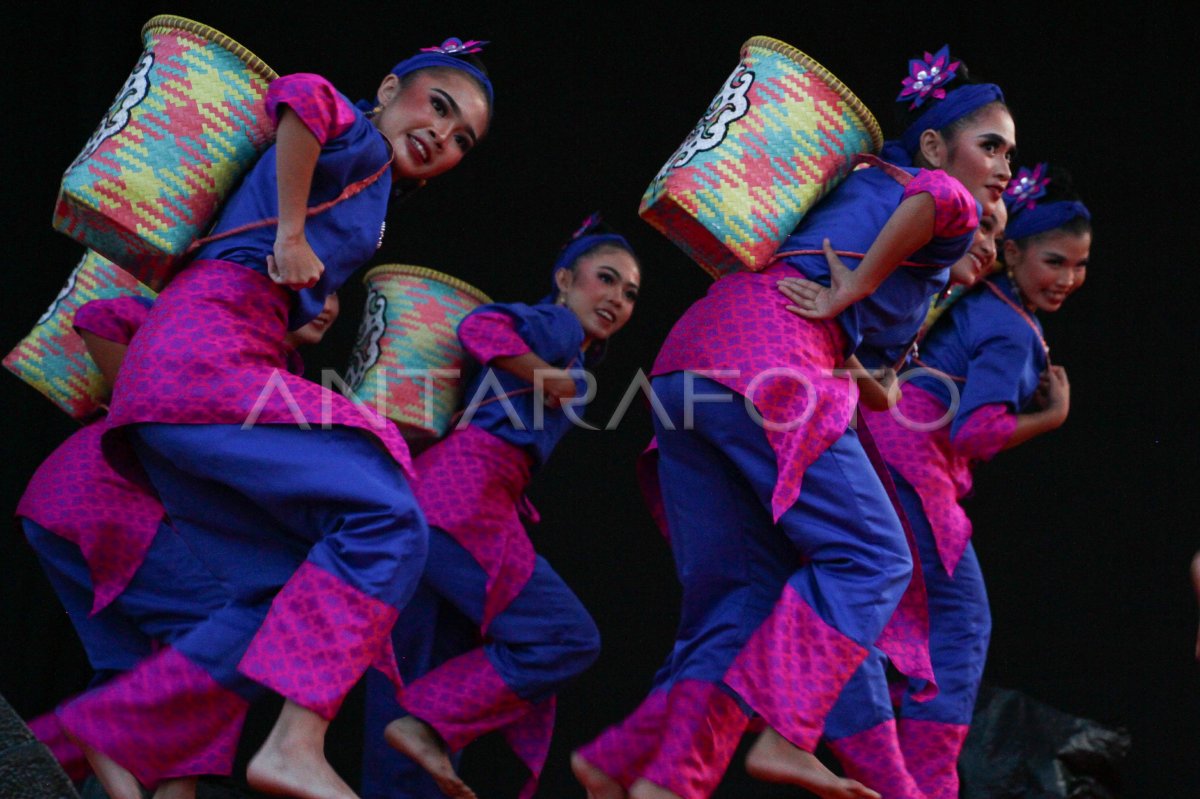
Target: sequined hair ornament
{"points": [[927, 85], [1028, 213]]}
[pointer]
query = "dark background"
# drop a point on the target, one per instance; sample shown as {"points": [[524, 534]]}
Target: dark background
{"points": [[1083, 534]]}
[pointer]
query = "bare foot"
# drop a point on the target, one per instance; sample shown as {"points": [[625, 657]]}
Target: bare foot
{"points": [[597, 784], [291, 762], [184, 788], [773, 758], [118, 781], [644, 789], [417, 740]]}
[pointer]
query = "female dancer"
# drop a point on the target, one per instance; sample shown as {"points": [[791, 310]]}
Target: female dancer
{"points": [[983, 383], [315, 530], [115, 563], [736, 445], [471, 486]]}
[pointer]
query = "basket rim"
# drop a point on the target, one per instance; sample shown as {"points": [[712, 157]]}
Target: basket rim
{"points": [[411, 270], [253, 62], [807, 61]]}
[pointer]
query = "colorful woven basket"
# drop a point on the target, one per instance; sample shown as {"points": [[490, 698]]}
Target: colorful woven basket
{"points": [[409, 325], [188, 123], [779, 136], [52, 358]]}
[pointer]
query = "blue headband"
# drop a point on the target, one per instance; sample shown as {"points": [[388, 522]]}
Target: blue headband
{"points": [[957, 104], [579, 247], [1043, 217], [428, 60]]}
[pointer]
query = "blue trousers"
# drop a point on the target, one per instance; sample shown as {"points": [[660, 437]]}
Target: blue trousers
{"points": [[840, 546], [254, 504], [151, 610], [959, 629], [543, 639]]}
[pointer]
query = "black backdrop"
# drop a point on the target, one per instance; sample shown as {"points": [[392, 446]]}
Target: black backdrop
{"points": [[1082, 534]]}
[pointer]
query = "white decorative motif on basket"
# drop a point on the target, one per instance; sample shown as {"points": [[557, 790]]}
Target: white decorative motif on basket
{"points": [[366, 348], [132, 93]]}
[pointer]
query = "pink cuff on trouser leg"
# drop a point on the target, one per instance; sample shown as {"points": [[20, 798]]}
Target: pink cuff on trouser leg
{"points": [[47, 730], [873, 757], [623, 750], [931, 749], [793, 668], [465, 698], [318, 639], [703, 727], [165, 718]]}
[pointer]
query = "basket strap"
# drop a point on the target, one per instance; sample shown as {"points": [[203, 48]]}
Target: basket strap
{"points": [[893, 171], [347, 193]]}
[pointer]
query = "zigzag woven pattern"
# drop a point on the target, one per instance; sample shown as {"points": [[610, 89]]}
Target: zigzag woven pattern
{"points": [[188, 123], [777, 138], [421, 310], [52, 358]]}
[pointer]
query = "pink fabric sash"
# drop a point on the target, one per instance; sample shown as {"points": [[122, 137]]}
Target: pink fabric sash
{"points": [[781, 362], [471, 484], [105, 505], [212, 352]]}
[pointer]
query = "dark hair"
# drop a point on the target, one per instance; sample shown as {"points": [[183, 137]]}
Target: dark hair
{"points": [[471, 59], [907, 117], [1060, 189]]}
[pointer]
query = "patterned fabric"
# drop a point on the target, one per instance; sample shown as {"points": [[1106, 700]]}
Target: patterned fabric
{"points": [[905, 639], [935, 465], [695, 749], [101, 501], [984, 433], [874, 758], [211, 352], [794, 640], [115, 319], [489, 335], [319, 637], [931, 749], [780, 362], [955, 211], [194, 729], [647, 477], [623, 750], [319, 106], [465, 698], [47, 729], [470, 484]]}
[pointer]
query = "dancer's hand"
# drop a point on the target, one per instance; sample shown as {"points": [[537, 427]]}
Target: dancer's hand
{"points": [[811, 300], [294, 264], [558, 386]]}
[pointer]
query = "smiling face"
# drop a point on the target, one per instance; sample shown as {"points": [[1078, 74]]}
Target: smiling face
{"points": [[314, 331], [977, 154], [432, 119], [981, 256], [601, 290], [1048, 267]]}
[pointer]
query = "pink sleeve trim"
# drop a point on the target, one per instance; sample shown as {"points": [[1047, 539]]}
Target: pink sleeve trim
{"points": [[490, 335], [985, 432], [115, 319], [954, 209], [320, 107]]}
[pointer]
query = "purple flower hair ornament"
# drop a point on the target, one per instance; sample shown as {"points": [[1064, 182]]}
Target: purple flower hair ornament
{"points": [[1027, 187], [456, 46], [928, 76]]}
